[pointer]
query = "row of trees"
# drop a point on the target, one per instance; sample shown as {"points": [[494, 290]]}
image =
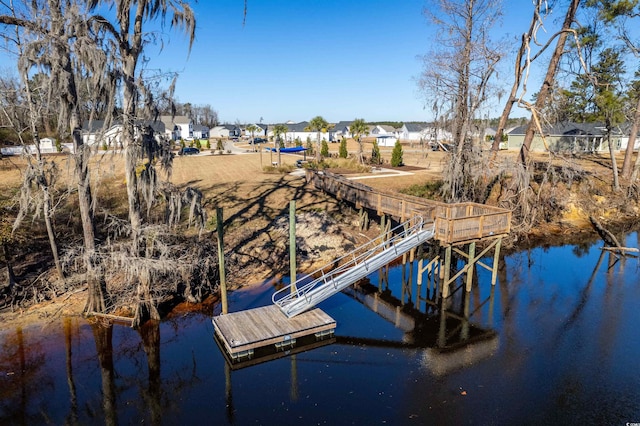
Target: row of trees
{"points": [[585, 79], [86, 56]]}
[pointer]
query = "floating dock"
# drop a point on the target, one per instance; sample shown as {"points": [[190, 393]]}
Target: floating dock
{"points": [[241, 333]]}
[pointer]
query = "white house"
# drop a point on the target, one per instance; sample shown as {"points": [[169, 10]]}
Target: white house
{"points": [[424, 133], [386, 140], [225, 131], [177, 127], [299, 131], [260, 133], [48, 145], [94, 133], [383, 129], [200, 131], [340, 130]]}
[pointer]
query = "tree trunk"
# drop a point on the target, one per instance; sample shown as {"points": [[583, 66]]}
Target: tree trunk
{"points": [[318, 149], [549, 80], [518, 78], [614, 163], [42, 179], [628, 155]]}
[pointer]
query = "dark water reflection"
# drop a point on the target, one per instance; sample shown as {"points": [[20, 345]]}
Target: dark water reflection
{"points": [[556, 341]]}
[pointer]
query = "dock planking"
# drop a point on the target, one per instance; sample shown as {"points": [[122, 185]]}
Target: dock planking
{"points": [[242, 332]]}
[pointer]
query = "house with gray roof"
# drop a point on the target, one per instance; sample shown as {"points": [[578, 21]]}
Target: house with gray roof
{"points": [[570, 137], [101, 133]]}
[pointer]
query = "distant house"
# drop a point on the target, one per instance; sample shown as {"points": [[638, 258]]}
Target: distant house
{"points": [[299, 131], [200, 131], [95, 132], [260, 133], [386, 140], [413, 131], [423, 132], [570, 137], [177, 127], [383, 129], [342, 129], [225, 131], [48, 145]]}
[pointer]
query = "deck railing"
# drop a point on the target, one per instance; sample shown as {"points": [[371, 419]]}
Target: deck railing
{"points": [[454, 223]]}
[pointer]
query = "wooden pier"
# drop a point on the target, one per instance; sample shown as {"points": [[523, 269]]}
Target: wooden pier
{"points": [[247, 335], [242, 333]]}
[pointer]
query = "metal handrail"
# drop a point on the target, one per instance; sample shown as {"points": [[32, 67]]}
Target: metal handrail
{"points": [[294, 291]]}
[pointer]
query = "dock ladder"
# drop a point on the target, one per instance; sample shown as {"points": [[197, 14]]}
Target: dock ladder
{"points": [[301, 296]]}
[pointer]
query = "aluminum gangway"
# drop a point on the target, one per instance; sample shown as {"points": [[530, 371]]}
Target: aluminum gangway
{"points": [[355, 265]]}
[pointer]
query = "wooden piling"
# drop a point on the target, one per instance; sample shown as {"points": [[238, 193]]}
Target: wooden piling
{"points": [[446, 272], [223, 282], [292, 243], [470, 265]]}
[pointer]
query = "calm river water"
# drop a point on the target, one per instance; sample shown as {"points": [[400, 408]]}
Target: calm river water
{"points": [[555, 341]]}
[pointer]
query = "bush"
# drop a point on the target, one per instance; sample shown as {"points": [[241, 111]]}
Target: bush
{"points": [[104, 146], [182, 145], [343, 153], [219, 145], [324, 150], [208, 144], [198, 144], [396, 155], [375, 154]]}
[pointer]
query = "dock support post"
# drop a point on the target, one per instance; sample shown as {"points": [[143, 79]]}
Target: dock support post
{"points": [[446, 272], [292, 244], [496, 258], [223, 281], [471, 265]]}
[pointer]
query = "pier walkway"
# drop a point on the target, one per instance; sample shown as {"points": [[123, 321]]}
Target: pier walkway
{"points": [[300, 296]]}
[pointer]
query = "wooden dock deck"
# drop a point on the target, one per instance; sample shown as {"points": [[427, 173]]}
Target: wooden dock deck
{"points": [[243, 332]]}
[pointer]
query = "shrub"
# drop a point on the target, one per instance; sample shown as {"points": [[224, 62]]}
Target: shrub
{"points": [[343, 153], [198, 144], [396, 155], [104, 146], [298, 141], [310, 149], [375, 153], [208, 144], [182, 145], [219, 145], [324, 150]]}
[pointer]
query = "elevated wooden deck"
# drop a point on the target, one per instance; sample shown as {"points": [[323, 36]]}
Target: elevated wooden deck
{"points": [[455, 223], [243, 332]]}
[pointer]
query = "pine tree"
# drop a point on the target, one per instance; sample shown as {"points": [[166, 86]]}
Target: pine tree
{"points": [[396, 155], [343, 148], [324, 151], [375, 153]]}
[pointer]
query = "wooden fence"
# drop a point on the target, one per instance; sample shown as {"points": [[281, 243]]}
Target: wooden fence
{"points": [[455, 223]]}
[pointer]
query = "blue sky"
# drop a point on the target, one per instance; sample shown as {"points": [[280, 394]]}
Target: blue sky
{"points": [[295, 59]]}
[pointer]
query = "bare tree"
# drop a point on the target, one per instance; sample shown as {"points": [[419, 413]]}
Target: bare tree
{"points": [[458, 73], [40, 172], [549, 80], [67, 47], [522, 62]]}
